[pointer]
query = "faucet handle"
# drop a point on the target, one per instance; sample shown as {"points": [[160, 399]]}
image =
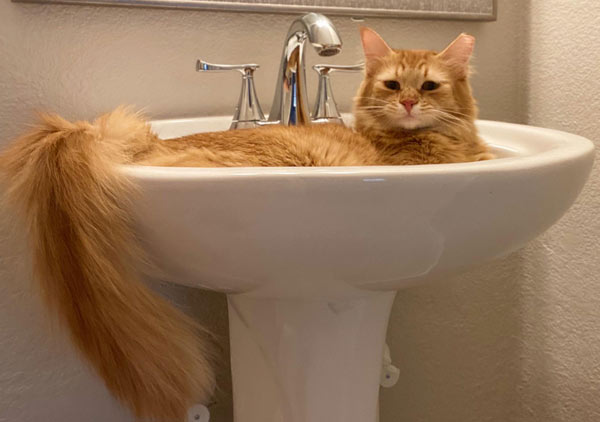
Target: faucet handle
{"points": [[248, 112], [325, 109], [330, 68], [202, 66]]}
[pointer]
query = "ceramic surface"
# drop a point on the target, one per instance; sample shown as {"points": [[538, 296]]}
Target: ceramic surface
{"points": [[296, 232]]}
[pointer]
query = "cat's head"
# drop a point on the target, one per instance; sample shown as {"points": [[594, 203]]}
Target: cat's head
{"points": [[414, 89]]}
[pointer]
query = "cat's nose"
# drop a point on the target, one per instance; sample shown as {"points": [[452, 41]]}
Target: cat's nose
{"points": [[408, 104]]}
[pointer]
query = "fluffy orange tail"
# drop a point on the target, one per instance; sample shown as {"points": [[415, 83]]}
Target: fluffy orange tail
{"points": [[63, 178]]}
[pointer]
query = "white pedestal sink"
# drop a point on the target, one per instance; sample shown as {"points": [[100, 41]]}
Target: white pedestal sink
{"points": [[311, 258]]}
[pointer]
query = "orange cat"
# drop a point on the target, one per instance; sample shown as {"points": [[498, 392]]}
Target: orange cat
{"points": [[413, 107]]}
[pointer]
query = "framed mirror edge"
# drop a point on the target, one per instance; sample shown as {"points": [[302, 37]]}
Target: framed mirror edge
{"points": [[226, 6]]}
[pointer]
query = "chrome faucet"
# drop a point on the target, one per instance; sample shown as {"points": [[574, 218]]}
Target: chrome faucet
{"points": [[290, 103]]}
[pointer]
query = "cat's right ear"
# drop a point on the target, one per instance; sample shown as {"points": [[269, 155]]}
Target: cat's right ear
{"points": [[374, 47], [458, 54]]}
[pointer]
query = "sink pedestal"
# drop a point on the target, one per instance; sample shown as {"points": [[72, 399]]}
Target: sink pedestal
{"points": [[307, 360]]}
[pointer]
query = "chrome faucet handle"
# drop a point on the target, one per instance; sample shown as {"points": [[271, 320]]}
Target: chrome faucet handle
{"points": [[325, 109], [202, 66], [330, 68], [247, 113]]}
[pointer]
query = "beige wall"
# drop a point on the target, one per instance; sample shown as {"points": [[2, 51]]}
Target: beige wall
{"points": [[514, 340], [560, 294]]}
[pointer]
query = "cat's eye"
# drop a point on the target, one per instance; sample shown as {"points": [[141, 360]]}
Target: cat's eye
{"points": [[394, 85], [429, 86]]}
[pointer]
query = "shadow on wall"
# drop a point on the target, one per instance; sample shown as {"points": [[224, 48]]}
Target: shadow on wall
{"points": [[210, 310], [457, 344], [534, 276]]}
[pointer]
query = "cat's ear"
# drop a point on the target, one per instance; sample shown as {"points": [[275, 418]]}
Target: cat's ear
{"points": [[458, 54], [373, 45]]}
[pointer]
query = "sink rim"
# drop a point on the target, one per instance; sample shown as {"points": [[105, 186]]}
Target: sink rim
{"points": [[562, 147]]}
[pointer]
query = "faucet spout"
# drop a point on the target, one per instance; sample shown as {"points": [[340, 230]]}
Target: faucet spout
{"points": [[290, 104]]}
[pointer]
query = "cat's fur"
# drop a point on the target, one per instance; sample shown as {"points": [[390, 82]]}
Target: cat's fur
{"points": [[74, 203], [63, 177]]}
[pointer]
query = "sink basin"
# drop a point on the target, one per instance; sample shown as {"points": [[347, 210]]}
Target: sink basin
{"points": [[290, 231], [311, 258]]}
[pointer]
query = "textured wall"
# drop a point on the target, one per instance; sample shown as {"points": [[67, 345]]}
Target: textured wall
{"points": [[561, 284], [510, 341]]}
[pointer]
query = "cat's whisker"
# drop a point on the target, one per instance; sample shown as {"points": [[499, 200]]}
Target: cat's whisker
{"points": [[459, 124], [433, 111], [372, 106], [375, 99], [381, 112], [455, 125], [373, 109], [376, 113], [455, 113], [448, 115], [449, 110], [449, 120]]}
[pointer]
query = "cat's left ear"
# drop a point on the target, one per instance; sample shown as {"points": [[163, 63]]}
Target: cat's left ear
{"points": [[458, 54], [374, 46]]}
